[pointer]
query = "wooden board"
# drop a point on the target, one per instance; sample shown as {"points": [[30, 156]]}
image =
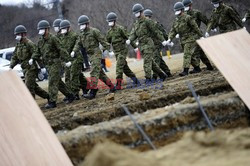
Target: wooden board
{"points": [[230, 52], [26, 138]]}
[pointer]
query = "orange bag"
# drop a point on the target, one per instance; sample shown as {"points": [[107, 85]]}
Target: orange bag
{"points": [[108, 62]]}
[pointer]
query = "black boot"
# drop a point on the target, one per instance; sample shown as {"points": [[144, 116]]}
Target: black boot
{"points": [[65, 99], [50, 105], [77, 97], [184, 73], [136, 81], [71, 98], [163, 76], [196, 69], [169, 74], [209, 67], [118, 84], [84, 91], [111, 86], [92, 94]]}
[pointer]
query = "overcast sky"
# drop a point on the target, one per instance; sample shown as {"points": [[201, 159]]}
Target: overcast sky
{"points": [[15, 2]]}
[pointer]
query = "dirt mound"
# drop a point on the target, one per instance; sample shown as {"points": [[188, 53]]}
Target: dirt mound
{"points": [[218, 148], [163, 125]]}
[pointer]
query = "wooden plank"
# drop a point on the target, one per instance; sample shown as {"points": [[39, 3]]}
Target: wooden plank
{"points": [[26, 138], [230, 52]]}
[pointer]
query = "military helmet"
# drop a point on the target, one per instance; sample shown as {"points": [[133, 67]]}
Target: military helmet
{"points": [[111, 17], [43, 25], [83, 20], [137, 8], [57, 22], [178, 6], [187, 2], [216, 1], [20, 29], [64, 24], [148, 13]]}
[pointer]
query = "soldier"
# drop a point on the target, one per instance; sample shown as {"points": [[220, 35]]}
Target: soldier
{"points": [[247, 16], [189, 32], [51, 52], [158, 46], [90, 38], [74, 79], [199, 17], [224, 17], [117, 36], [56, 25], [142, 31], [22, 54]]}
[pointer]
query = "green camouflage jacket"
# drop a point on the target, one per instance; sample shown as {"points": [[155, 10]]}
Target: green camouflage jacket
{"points": [[22, 55], [50, 51], [143, 30], [90, 39], [225, 18], [198, 16], [117, 36], [186, 27], [68, 41], [157, 42]]}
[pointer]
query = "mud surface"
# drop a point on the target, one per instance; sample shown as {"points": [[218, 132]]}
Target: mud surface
{"points": [[219, 148], [88, 112], [163, 125]]}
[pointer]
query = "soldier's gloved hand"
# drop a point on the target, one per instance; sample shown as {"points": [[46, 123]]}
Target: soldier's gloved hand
{"points": [[72, 54], [207, 34], [244, 19], [68, 64], [111, 53], [244, 28], [171, 44], [214, 30], [31, 62], [128, 42], [177, 36], [164, 43], [106, 53], [137, 43], [43, 70], [136, 49]]}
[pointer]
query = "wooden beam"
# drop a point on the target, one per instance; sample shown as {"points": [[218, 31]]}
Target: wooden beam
{"points": [[230, 52], [26, 138]]}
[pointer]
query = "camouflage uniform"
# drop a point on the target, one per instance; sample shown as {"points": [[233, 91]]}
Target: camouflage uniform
{"points": [[117, 36], [225, 18], [52, 54], [189, 32], [90, 39], [142, 31], [199, 17], [73, 74], [157, 53], [22, 54]]}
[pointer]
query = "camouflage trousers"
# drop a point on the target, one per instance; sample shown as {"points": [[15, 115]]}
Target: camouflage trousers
{"points": [[97, 72], [190, 58], [200, 53], [74, 79], [122, 65], [160, 62], [149, 63], [30, 82], [55, 82]]}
